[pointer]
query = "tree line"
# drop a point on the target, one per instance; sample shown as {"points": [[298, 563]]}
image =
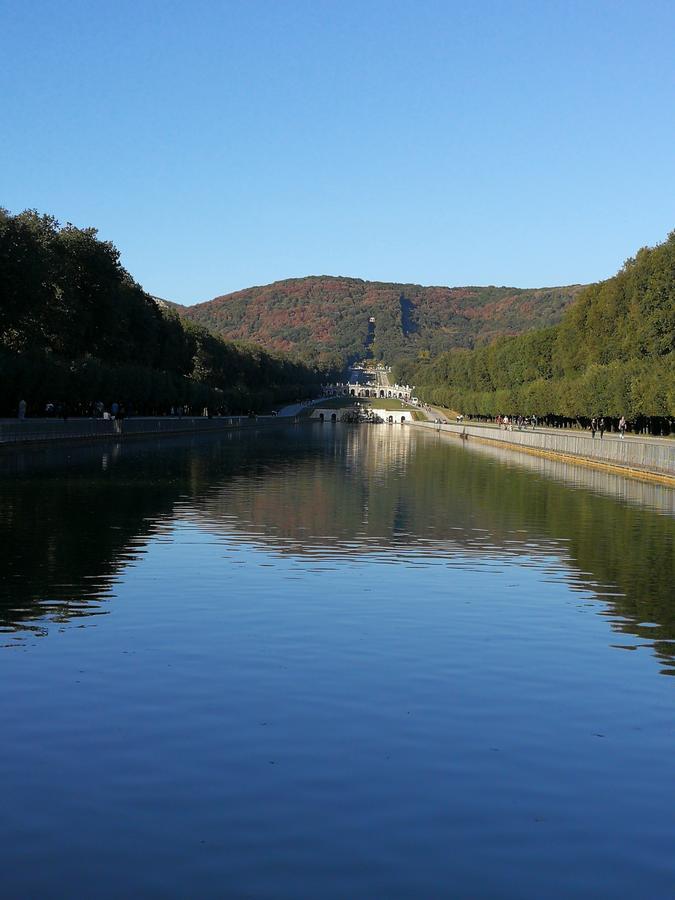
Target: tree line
{"points": [[75, 328], [611, 355]]}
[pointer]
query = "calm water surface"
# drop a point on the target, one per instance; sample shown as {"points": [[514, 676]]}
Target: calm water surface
{"points": [[333, 663]]}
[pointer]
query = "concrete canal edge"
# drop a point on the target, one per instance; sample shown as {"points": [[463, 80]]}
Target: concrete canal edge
{"points": [[16, 433], [650, 460]]}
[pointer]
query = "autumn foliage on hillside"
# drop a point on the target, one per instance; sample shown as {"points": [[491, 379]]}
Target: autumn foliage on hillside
{"points": [[325, 316]]}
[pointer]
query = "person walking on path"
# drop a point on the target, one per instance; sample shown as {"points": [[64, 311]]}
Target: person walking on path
{"points": [[601, 426], [594, 426], [622, 427], [22, 409]]}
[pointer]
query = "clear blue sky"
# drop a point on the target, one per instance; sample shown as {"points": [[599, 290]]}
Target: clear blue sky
{"points": [[225, 144]]}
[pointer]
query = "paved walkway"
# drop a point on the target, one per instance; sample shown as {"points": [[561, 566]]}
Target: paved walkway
{"points": [[382, 379], [577, 432]]}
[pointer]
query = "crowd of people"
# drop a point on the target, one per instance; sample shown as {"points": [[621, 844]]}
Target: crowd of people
{"points": [[508, 422], [597, 425]]}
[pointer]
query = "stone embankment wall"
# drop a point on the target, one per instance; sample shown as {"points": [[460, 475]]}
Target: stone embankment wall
{"points": [[651, 456], [17, 431]]}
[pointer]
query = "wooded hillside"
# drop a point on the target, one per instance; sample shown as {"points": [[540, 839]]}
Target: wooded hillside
{"points": [[76, 328], [326, 318], [612, 354]]}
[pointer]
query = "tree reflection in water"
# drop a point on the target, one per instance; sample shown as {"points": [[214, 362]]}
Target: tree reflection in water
{"points": [[72, 519]]}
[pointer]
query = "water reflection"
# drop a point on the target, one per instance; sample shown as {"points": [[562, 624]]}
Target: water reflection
{"points": [[72, 520]]}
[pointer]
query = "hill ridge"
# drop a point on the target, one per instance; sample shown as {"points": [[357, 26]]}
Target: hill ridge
{"points": [[328, 315]]}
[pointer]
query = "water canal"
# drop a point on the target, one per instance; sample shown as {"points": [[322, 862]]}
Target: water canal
{"points": [[333, 662]]}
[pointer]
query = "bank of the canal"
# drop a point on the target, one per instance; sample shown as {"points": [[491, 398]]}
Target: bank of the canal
{"points": [[652, 459], [30, 431]]}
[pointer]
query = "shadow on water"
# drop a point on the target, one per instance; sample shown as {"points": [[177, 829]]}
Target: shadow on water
{"points": [[72, 520]]}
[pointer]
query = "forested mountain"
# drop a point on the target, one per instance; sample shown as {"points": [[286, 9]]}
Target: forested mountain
{"points": [[327, 317], [76, 328], [612, 354]]}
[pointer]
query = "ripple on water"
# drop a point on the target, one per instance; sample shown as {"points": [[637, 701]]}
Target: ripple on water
{"points": [[356, 662]]}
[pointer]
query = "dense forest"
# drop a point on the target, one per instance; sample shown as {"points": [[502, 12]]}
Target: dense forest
{"points": [[76, 329], [612, 355], [326, 318]]}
